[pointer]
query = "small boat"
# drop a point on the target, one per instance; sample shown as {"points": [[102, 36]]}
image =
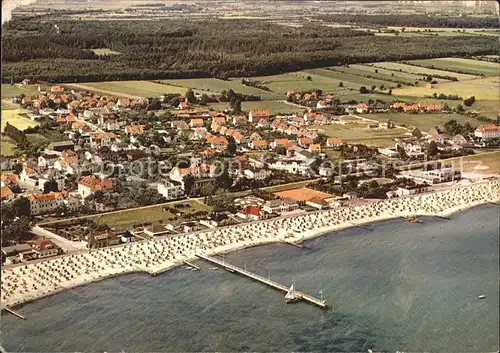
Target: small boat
{"points": [[290, 296], [482, 296], [214, 268], [188, 267]]}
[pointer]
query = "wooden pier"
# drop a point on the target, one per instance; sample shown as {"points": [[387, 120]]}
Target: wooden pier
{"points": [[192, 265], [298, 295], [14, 313]]}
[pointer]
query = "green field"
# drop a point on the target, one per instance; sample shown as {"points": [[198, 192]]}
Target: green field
{"points": [[132, 89], [483, 89], [359, 133], [9, 91], [213, 85], [473, 67], [14, 118], [8, 146], [37, 138], [382, 74], [422, 121], [154, 214], [275, 107], [421, 70]]}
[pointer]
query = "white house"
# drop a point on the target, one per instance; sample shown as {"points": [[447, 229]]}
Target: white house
{"points": [[487, 131], [170, 189], [280, 205], [257, 174]]}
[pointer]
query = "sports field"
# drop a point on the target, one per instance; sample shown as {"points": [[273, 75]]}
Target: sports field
{"points": [[473, 67], [358, 132], [14, 118], [303, 194]]}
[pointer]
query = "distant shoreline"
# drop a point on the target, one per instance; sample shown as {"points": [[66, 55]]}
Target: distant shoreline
{"points": [[278, 237]]}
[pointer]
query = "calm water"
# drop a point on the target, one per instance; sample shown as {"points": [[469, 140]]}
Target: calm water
{"points": [[401, 286]]}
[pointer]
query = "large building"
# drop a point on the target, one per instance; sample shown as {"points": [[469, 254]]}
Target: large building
{"points": [[171, 190], [487, 131], [87, 185]]}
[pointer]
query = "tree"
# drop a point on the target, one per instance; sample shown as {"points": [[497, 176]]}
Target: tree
{"points": [[309, 78], [432, 149], [363, 90], [382, 87], [236, 106], [188, 184], [401, 153], [224, 180], [459, 108], [469, 101], [390, 92], [341, 84], [231, 146], [49, 186], [21, 206], [190, 97], [373, 87], [18, 168]]}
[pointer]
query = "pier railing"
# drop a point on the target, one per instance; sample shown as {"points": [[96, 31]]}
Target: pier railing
{"points": [[232, 268]]}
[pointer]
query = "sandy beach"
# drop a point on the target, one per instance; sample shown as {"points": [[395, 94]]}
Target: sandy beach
{"points": [[30, 281]]}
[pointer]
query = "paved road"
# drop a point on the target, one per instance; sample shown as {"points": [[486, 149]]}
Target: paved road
{"points": [[63, 243]]}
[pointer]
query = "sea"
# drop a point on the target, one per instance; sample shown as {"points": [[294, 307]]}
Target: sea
{"points": [[396, 286]]}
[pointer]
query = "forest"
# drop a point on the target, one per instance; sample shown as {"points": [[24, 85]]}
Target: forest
{"points": [[157, 49], [414, 21]]}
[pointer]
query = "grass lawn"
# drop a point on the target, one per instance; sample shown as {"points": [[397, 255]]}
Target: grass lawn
{"points": [[8, 146], [382, 74], [214, 86], [14, 118], [9, 91], [487, 108], [275, 107], [350, 79], [423, 121], [9, 106], [473, 67], [298, 184], [483, 89], [154, 214], [421, 70]]}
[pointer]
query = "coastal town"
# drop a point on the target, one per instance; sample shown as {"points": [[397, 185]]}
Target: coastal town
{"points": [[217, 179]]}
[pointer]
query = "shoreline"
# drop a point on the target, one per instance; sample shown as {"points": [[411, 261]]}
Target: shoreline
{"points": [[260, 237]]}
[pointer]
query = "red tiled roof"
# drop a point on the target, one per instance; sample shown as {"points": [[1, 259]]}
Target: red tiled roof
{"points": [[251, 210], [96, 184]]}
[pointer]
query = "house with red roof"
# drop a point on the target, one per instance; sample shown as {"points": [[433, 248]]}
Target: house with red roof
{"points": [[87, 185], [45, 248], [256, 114], [6, 194], [251, 213], [258, 144], [333, 142]]}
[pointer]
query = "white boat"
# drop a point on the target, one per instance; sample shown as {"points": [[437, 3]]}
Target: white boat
{"points": [[482, 296], [214, 268], [290, 295]]}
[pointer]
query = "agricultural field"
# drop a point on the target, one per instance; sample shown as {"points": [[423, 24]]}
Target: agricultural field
{"points": [[421, 70], [382, 74], [9, 91], [473, 67], [360, 133], [483, 89], [485, 163], [8, 146], [14, 118], [154, 214], [130, 89], [213, 85], [275, 107], [424, 122], [105, 51]]}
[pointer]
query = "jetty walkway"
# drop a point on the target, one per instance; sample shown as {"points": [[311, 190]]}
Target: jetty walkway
{"points": [[297, 294]]}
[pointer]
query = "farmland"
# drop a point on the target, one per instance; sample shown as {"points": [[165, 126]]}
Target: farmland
{"points": [[9, 91], [422, 121], [14, 118], [360, 133], [130, 89], [213, 85], [105, 51], [8, 146], [483, 89], [421, 70], [275, 107], [473, 67]]}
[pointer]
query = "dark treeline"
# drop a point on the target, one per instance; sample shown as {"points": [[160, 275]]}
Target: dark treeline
{"points": [[160, 49], [414, 21]]}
